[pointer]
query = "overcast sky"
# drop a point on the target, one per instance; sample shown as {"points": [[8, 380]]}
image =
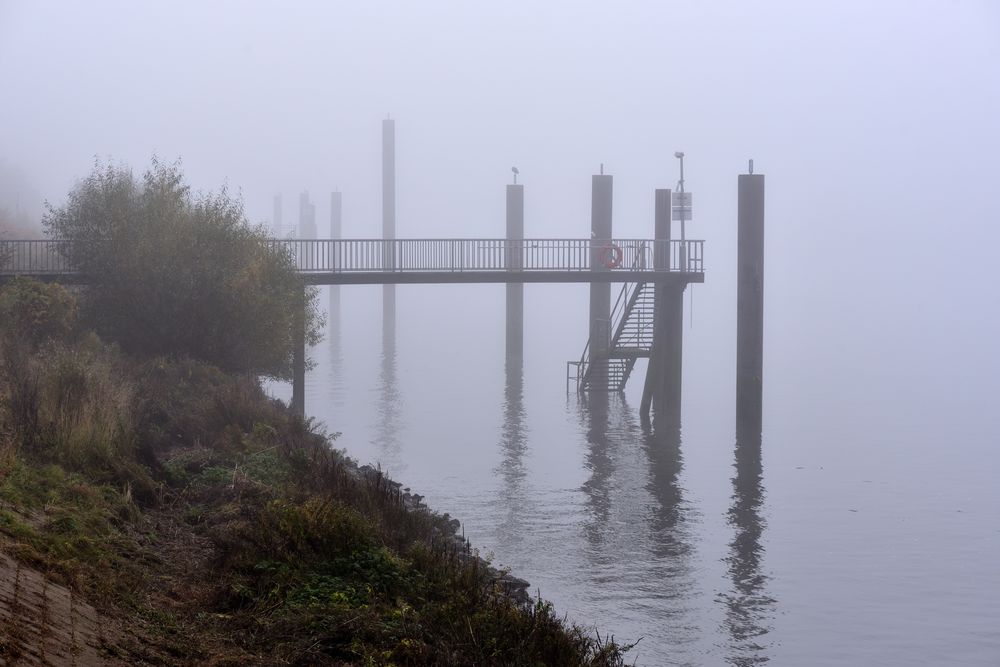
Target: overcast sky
{"points": [[876, 124]]}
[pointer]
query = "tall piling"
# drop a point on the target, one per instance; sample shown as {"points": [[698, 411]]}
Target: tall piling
{"points": [[600, 292], [662, 389], [750, 304], [276, 216], [335, 234], [668, 335], [514, 258], [389, 227], [307, 217], [661, 262]]}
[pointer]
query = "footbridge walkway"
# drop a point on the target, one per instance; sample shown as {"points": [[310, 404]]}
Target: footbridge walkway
{"points": [[401, 261]]}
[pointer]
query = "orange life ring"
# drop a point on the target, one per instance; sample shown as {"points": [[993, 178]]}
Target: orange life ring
{"points": [[612, 255]]}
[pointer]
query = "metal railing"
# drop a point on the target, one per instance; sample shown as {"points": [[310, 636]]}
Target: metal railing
{"points": [[423, 255], [35, 257], [53, 257]]}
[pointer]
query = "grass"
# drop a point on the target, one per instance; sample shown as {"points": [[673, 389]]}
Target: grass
{"points": [[218, 527]]}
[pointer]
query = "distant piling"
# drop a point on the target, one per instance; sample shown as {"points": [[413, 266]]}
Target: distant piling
{"points": [[276, 221], [750, 304], [389, 228], [336, 233], [336, 215], [514, 262], [307, 217]]}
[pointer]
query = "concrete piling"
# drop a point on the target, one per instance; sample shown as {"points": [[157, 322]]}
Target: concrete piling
{"points": [[662, 389], [336, 213], [600, 292], [276, 216], [389, 228], [514, 262], [750, 304]]}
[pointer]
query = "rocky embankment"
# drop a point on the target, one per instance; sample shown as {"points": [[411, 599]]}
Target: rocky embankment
{"points": [[513, 587]]}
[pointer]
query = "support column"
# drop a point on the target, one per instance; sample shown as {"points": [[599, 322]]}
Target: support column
{"points": [[661, 262], [668, 337], [750, 304], [664, 372], [600, 292], [299, 357], [514, 257], [335, 234], [388, 226]]}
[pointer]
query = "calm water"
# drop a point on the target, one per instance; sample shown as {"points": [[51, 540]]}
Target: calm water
{"points": [[840, 538]]}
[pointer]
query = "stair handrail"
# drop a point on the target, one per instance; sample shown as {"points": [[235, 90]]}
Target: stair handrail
{"points": [[616, 338], [620, 310]]}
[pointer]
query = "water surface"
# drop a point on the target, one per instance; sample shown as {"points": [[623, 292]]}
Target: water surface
{"points": [[838, 537]]}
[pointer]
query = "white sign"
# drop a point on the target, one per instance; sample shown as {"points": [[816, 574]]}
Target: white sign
{"points": [[681, 206]]}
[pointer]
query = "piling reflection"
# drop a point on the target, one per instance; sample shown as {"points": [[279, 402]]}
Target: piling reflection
{"points": [[389, 408], [621, 453], [335, 377], [513, 446], [662, 444], [513, 436], [749, 607], [594, 412], [638, 525]]}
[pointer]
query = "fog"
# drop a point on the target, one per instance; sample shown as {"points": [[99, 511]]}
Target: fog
{"points": [[875, 124]]}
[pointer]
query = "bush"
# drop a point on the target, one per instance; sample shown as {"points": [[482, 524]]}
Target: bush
{"points": [[32, 312], [175, 273]]}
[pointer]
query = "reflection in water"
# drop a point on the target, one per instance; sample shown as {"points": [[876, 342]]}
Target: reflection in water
{"points": [[663, 449], [513, 438], [388, 407], [336, 361], [749, 608], [638, 524], [598, 460], [513, 447]]}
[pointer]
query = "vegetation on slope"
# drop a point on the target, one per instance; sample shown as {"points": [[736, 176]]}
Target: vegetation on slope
{"points": [[178, 273], [213, 526]]}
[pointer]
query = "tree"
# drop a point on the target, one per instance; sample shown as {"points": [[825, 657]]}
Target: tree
{"points": [[32, 312], [174, 273]]}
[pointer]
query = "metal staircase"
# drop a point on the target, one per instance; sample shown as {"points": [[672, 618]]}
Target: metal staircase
{"points": [[631, 329]]}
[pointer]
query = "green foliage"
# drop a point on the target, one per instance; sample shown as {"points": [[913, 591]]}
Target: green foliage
{"points": [[175, 273], [32, 312], [71, 527]]}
